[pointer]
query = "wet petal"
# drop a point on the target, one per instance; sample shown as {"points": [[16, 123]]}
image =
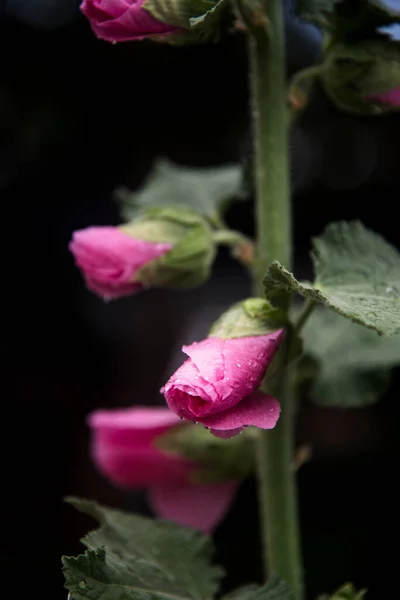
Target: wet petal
{"points": [[257, 409]]}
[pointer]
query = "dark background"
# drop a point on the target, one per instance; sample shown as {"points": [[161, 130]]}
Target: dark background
{"points": [[78, 117]]}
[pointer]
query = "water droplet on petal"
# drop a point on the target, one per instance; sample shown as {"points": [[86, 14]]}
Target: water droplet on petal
{"points": [[238, 365]]}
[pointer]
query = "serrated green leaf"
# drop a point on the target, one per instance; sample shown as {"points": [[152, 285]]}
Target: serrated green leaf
{"points": [[134, 558], [275, 589], [352, 363], [317, 11], [357, 275], [204, 190]]}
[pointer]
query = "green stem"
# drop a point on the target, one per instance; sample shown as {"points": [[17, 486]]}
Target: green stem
{"points": [[229, 237], [273, 214], [298, 92], [275, 451], [242, 247]]}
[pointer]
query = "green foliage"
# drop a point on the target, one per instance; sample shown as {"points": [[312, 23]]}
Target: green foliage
{"points": [[205, 190], [275, 589], [358, 61], [133, 558], [348, 18], [346, 592], [188, 263], [357, 274], [359, 19], [351, 364], [319, 12]]}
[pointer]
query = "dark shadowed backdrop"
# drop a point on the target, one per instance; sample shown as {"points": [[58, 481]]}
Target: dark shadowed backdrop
{"points": [[78, 117]]}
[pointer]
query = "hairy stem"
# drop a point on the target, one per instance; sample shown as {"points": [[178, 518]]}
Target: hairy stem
{"points": [[277, 486]]}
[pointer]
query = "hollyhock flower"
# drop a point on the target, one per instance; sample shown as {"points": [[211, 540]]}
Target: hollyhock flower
{"points": [[109, 259], [123, 20], [126, 449], [217, 385], [363, 77]]}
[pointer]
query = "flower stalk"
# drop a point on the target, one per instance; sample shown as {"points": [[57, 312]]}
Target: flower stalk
{"points": [[275, 451]]}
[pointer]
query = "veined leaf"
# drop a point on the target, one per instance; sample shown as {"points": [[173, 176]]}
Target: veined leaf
{"points": [[134, 558], [357, 274]]}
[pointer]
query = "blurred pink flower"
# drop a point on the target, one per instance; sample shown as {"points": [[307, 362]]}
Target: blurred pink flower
{"points": [[122, 20], [391, 97], [217, 385], [109, 259], [124, 449]]}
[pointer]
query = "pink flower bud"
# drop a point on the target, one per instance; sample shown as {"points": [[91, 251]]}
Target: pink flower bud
{"points": [[124, 449], [217, 385], [122, 20], [392, 97], [110, 258]]}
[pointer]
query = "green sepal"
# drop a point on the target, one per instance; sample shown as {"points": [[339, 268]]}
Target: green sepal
{"points": [[250, 317], [216, 459], [188, 263], [352, 73], [198, 20]]}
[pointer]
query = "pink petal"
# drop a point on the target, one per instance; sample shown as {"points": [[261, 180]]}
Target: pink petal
{"points": [[219, 374], [208, 357], [391, 97], [109, 292], [199, 506], [257, 409], [246, 361], [185, 390], [109, 259], [123, 447], [122, 20], [110, 248], [138, 418]]}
